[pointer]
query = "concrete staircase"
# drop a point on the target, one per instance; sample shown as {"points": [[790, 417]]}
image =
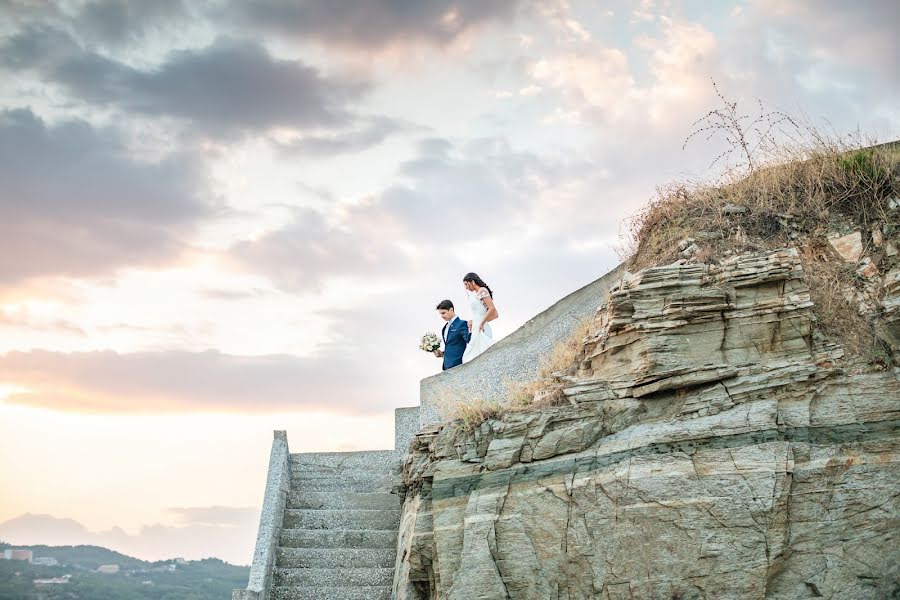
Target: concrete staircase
{"points": [[328, 525], [339, 531]]}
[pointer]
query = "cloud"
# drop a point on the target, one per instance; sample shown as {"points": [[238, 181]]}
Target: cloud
{"points": [[682, 60], [22, 319], [458, 192], [301, 255], [827, 61], [375, 24], [37, 46], [75, 202], [365, 134], [217, 531], [597, 80], [648, 10], [861, 37], [74, 156], [166, 382], [367, 25], [23, 11], [226, 88], [449, 194], [212, 515], [599, 84], [111, 22], [839, 59], [116, 21]]}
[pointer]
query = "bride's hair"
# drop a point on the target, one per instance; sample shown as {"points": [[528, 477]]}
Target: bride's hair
{"points": [[473, 277]]}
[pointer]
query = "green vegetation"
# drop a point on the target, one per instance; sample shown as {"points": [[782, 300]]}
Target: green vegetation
{"points": [[209, 579], [88, 557]]}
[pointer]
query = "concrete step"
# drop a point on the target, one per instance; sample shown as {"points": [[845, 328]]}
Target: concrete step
{"points": [[309, 473], [378, 460], [334, 558], [352, 466], [337, 500], [380, 482], [350, 577], [326, 538], [332, 593], [307, 518]]}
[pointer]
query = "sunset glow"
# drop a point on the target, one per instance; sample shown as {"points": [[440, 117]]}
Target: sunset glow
{"points": [[216, 223]]}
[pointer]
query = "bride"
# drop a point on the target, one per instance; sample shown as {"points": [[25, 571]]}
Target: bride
{"points": [[483, 311]]}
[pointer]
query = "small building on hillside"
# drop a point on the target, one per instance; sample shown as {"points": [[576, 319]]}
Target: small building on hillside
{"points": [[45, 561], [18, 554], [53, 580], [108, 569]]}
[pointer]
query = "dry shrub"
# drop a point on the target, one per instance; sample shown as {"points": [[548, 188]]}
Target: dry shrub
{"points": [[566, 354], [835, 315], [790, 177], [468, 415], [545, 389], [803, 194]]}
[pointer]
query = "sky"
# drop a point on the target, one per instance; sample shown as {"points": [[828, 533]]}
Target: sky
{"points": [[221, 218]]}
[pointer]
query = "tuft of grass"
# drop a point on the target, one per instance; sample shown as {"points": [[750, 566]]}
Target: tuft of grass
{"points": [[545, 389], [470, 414]]}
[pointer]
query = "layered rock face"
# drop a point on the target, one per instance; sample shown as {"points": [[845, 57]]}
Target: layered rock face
{"points": [[712, 447]]}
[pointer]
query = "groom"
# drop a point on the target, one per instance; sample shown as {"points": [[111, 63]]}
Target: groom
{"points": [[456, 335]]}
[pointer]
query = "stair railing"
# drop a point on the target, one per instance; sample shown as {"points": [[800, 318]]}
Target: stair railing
{"points": [[278, 485]]}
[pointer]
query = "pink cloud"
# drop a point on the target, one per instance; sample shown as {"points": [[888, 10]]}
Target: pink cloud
{"points": [[599, 84], [178, 382]]}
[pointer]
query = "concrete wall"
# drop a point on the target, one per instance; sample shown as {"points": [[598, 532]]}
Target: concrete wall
{"points": [[277, 486], [406, 425], [517, 357]]}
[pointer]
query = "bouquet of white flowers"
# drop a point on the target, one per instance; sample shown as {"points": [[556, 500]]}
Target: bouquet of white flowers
{"points": [[430, 342]]}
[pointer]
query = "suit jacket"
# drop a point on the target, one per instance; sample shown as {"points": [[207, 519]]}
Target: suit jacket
{"points": [[456, 335]]}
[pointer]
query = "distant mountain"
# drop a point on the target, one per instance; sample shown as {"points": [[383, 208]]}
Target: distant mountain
{"points": [[44, 529], [209, 579]]}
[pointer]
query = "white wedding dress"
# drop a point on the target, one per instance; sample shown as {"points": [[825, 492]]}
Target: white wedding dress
{"points": [[481, 340]]}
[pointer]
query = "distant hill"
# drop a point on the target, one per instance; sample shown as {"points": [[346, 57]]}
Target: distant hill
{"points": [[228, 533], [88, 557], [209, 579]]}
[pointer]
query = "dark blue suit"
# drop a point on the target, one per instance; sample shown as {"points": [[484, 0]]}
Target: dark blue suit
{"points": [[456, 336]]}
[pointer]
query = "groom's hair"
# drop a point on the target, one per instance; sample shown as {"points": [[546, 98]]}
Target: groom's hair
{"points": [[445, 305]]}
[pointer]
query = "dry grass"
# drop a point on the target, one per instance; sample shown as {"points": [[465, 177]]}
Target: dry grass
{"points": [[836, 316], [795, 199], [467, 413], [470, 414], [545, 389], [801, 193]]}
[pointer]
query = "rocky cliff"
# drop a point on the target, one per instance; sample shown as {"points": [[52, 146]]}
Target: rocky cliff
{"points": [[712, 443]]}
